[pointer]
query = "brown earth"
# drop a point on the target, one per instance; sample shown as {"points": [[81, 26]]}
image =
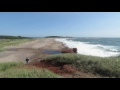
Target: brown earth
{"points": [[66, 71], [34, 50]]}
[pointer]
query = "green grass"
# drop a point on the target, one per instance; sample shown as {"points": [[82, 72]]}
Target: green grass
{"points": [[18, 70], [109, 67], [12, 42], [28, 73], [7, 65]]}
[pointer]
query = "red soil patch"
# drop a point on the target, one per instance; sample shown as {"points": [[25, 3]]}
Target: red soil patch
{"points": [[69, 69], [64, 70]]}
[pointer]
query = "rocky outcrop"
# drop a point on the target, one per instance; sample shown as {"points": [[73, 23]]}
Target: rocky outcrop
{"points": [[69, 50]]}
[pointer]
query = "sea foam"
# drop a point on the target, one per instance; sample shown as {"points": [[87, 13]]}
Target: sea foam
{"points": [[90, 49]]}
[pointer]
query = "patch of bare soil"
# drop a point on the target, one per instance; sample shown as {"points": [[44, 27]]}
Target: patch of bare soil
{"points": [[66, 71]]}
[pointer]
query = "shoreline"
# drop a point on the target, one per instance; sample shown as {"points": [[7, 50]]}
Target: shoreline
{"points": [[32, 49], [91, 49]]}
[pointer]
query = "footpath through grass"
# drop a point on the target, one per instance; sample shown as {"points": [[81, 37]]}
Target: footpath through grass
{"points": [[108, 67]]}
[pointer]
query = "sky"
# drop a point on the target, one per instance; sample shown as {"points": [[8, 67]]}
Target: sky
{"points": [[75, 24]]}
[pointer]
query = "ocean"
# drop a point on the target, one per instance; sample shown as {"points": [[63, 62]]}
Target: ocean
{"points": [[102, 47]]}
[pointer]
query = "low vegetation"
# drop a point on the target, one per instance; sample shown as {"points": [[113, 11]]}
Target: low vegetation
{"points": [[11, 42], [19, 70], [108, 67], [105, 67], [7, 65]]}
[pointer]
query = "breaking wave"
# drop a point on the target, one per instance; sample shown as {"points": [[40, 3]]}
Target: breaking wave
{"points": [[86, 48]]}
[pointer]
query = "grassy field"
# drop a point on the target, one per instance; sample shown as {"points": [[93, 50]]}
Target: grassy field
{"points": [[19, 70], [11, 42], [108, 67]]}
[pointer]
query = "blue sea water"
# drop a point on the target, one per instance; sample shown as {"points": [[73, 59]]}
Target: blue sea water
{"points": [[102, 47]]}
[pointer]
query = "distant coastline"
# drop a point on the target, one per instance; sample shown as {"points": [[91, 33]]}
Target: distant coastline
{"points": [[58, 37], [12, 37]]}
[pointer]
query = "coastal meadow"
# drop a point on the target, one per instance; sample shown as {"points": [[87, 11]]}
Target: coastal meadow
{"points": [[104, 66]]}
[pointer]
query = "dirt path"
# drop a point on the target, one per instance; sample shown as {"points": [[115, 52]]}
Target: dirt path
{"points": [[32, 50]]}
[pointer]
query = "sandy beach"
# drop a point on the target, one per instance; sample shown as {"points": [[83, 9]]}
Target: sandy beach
{"points": [[33, 50]]}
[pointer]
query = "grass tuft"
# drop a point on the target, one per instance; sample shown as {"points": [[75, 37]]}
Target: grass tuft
{"points": [[28, 73], [7, 65]]}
